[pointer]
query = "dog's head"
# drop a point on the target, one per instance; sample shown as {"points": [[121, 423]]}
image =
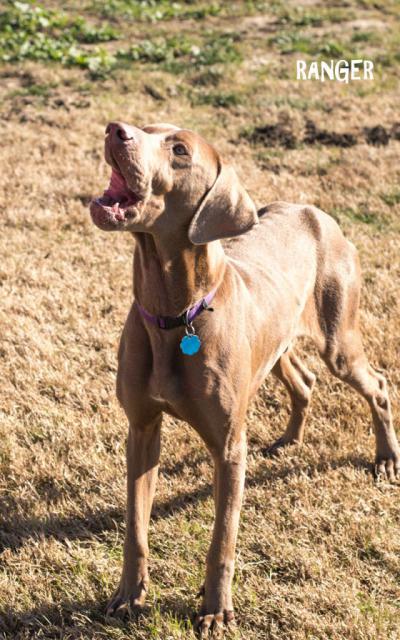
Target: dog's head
{"points": [[165, 180]]}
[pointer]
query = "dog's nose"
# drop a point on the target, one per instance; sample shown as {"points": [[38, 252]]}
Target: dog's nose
{"points": [[121, 131]]}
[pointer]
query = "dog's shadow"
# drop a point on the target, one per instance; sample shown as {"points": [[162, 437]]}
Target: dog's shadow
{"points": [[17, 530], [87, 619], [284, 470]]}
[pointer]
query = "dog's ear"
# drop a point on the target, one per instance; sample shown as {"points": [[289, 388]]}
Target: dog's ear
{"points": [[226, 211], [159, 127]]}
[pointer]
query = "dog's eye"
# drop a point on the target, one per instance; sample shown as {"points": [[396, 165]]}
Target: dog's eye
{"points": [[179, 150]]}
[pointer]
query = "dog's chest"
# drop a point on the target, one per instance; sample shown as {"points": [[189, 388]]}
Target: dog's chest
{"points": [[165, 382], [176, 379]]}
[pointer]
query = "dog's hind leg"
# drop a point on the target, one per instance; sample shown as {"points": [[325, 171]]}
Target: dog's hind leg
{"points": [[342, 351], [346, 359], [299, 382]]}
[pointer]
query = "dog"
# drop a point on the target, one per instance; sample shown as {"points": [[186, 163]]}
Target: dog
{"points": [[221, 292]]}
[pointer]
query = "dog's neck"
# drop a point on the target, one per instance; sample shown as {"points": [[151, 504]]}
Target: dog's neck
{"points": [[169, 277]]}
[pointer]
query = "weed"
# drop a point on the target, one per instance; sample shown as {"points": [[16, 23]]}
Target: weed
{"points": [[294, 42], [218, 48], [156, 51], [366, 36], [209, 77], [300, 17], [294, 103], [392, 198], [155, 10], [178, 53], [217, 99], [32, 32], [362, 215], [290, 42], [38, 90]]}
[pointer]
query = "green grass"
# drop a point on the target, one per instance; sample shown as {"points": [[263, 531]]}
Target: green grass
{"points": [[313, 17], [295, 42], [155, 10], [217, 99], [372, 37], [363, 215], [32, 32], [209, 77], [38, 90], [392, 198], [176, 53], [35, 33]]}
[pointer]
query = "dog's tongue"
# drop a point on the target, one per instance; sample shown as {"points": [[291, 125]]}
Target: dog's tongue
{"points": [[117, 187]]}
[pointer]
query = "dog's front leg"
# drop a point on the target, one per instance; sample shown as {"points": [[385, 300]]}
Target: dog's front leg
{"points": [[143, 452], [229, 474]]}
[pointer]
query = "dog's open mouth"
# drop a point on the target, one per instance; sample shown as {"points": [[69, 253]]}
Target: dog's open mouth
{"points": [[117, 205]]}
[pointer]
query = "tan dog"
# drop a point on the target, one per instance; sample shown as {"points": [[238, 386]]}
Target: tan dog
{"points": [[288, 272]]}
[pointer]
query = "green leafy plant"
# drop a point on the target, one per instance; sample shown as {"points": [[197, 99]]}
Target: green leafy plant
{"points": [[294, 42], [155, 10], [178, 52], [33, 32]]}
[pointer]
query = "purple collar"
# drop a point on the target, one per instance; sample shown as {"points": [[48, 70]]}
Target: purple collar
{"points": [[185, 319]]}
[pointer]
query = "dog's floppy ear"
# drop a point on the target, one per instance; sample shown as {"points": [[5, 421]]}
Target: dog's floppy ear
{"points": [[226, 211]]}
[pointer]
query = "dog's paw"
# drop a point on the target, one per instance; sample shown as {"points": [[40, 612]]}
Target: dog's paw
{"points": [[214, 625], [388, 467], [275, 448], [127, 603]]}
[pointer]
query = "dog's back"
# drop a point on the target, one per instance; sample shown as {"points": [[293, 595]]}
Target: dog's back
{"points": [[302, 262]]}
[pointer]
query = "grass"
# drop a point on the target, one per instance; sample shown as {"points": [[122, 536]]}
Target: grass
{"points": [[363, 215], [288, 42], [32, 32], [177, 53], [303, 17], [155, 10], [318, 550], [216, 99], [392, 198]]}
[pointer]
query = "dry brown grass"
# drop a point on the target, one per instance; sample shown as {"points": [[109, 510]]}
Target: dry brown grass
{"points": [[318, 552]]}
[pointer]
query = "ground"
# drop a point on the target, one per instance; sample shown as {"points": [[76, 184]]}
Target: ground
{"points": [[318, 550]]}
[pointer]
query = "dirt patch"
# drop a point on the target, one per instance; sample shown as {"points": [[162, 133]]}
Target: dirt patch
{"points": [[377, 136], [395, 131], [264, 24], [313, 135], [283, 134], [280, 134]]}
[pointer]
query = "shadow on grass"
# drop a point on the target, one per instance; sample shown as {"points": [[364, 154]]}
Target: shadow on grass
{"points": [[49, 620], [87, 620], [16, 529], [324, 466]]}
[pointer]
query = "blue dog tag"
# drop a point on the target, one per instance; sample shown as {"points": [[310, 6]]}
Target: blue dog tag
{"points": [[190, 344]]}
